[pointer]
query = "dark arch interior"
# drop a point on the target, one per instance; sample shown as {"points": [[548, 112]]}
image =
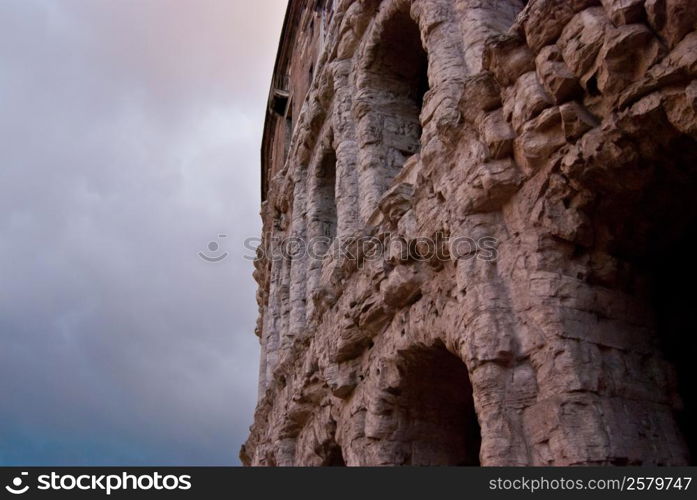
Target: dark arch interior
{"points": [[326, 195], [399, 79], [435, 409], [669, 212], [402, 62], [656, 233], [673, 282], [334, 457]]}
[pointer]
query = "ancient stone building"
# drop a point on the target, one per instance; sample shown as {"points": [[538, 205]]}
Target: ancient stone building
{"points": [[479, 219]]}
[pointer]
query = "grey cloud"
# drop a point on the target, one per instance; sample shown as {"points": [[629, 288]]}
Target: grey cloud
{"points": [[129, 138]]}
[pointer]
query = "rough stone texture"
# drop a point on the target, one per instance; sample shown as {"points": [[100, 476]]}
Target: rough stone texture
{"points": [[563, 130]]}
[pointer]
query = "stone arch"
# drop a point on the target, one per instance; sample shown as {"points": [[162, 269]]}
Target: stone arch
{"points": [[663, 228], [392, 81], [325, 191], [639, 185], [322, 211], [333, 456], [315, 438], [673, 278], [424, 414]]}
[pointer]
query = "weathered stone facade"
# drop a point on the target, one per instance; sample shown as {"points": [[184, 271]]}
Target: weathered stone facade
{"points": [[557, 135]]}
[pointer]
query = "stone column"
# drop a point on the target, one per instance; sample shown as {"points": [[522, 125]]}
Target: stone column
{"points": [[299, 259], [347, 194], [318, 240], [272, 315]]}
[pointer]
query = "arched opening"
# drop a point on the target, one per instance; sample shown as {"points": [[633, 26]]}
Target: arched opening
{"points": [[669, 216], [321, 217], [653, 232], [327, 451], [326, 195], [674, 278], [435, 409], [334, 457], [398, 79], [665, 224]]}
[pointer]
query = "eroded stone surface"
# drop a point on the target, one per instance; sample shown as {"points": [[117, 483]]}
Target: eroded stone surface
{"points": [[555, 142]]}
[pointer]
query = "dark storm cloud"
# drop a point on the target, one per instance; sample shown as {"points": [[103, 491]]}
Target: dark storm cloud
{"points": [[129, 134]]}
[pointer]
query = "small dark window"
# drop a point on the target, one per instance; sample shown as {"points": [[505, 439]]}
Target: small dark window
{"points": [[279, 102]]}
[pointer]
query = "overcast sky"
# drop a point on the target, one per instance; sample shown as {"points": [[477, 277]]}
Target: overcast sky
{"points": [[129, 140]]}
